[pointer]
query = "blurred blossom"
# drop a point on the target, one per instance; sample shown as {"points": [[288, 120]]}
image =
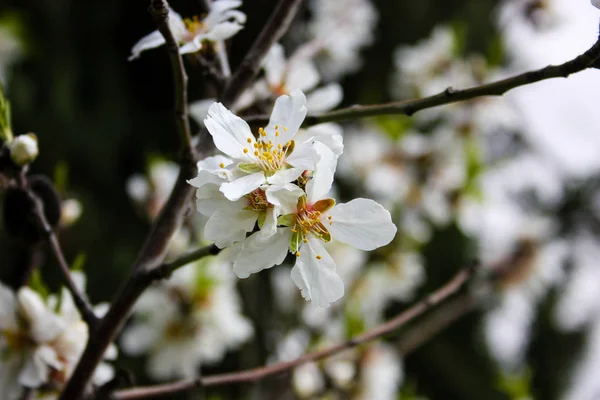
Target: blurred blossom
{"points": [[221, 22], [71, 210], [199, 320], [283, 76], [24, 149], [41, 341], [380, 373], [152, 192], [339, 30]]}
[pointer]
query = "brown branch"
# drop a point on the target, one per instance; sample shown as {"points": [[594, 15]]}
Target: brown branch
{"points": [[167, 268], [160, 12], [257, 374], [274, 29], [83, 306], [450, 95]]}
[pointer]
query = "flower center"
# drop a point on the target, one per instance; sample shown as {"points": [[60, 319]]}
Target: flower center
{"points": [[270, 157], [194, 25], [257, 201]]}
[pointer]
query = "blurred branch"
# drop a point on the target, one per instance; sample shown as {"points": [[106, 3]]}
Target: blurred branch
{"points": [[253, 375], [274, 29], [450, 95], [166, 269], [160, 12], [84, 307]]}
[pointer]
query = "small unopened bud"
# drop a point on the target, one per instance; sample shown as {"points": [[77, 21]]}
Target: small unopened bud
{"points": [[24, 149], [71, 210]]}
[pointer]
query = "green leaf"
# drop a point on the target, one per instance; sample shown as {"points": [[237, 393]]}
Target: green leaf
{"points": [[286, 220], [79, 262], [6, 134], [61, 176], [36, 284]]}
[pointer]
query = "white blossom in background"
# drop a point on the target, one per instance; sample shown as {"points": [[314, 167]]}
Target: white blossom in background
{"points": [[283, 76], [192, 319], [221, 22], [380, 373], [152, 192], [339, 30], [41, 341]]}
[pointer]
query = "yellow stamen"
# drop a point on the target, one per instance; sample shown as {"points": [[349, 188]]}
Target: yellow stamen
{"points": [[222, 165], [319, 257], [297, 254]]}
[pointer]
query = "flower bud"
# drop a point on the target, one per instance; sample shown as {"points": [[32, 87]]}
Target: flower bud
{"points": [[24, 149]]}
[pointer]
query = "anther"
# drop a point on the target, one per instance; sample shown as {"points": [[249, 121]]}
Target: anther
{"points": [[222, 165], [297, 254], [245, 150], [249, 140], [319, 257]]}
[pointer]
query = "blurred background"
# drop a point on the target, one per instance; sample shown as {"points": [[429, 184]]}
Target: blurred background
{"points": [[509, 182]]}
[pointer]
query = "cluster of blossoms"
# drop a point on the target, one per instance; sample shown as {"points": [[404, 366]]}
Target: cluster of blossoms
{"points": [[200, 319], [41, 341], [279, 182]]}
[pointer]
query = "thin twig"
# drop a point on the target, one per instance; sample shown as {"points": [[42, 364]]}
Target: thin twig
{"points": [[83, 306], [450, 95], [256, 374], [160, 12], [274, 29], [167, 268]]}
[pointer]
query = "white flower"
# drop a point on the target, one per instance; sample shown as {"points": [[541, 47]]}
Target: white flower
{"points": [[361, 223], [24, 149], [283, 76], [275, 158], [222, 22], [41, 346], [381, 373], [199, 321]]}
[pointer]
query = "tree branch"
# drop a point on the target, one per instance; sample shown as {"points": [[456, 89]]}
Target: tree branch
{"points": [[160, 12], [83, 306], [450, 95], [167, 268], [275, 28], [256, 374]]}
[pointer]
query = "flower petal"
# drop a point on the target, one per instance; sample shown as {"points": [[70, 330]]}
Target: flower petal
{"points": [[230, 133], [223, 31], [218, 11], [324, 98], [303, 157], [241, 186], [150, 41], [322, 179], [284, 176], [44, 325], [314, 273], [256, 254], [199, 109], [285, 197], [274, 65], [361, 223], [225, 227], [302, 75], [288, 114]]}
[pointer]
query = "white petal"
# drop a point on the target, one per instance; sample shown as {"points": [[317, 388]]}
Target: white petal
{"points": [[214, 163], [209, 200], [329, 134], [230, 133], [176, 25], [241, 186], [284, 176], [150, 41], [288, 114], [316, 277], [138, 338], [303, 157], [256, 254], [192, 46], [302, 75], [324, 98], [223, 31], [361, 223], [225, 227], [199, 109], [8, 309], [269, 227], [218, 11], [322, 179], [44, 325], [274, 65], [285, 197]]}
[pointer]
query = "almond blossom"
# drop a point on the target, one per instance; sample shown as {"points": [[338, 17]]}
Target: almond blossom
{"points": [[361, 223], [275, 158], [222, 22]]}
